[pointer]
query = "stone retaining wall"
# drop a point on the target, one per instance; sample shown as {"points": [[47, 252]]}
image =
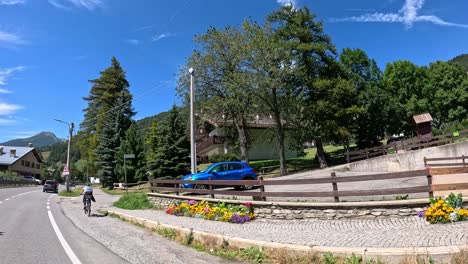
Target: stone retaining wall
{"points": [[283, 211]]}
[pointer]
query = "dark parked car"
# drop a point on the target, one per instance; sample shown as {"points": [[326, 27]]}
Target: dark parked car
{"points": [[51, 186], [227, 171]]}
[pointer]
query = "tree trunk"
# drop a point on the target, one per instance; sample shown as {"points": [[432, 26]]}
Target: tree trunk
{"points": [[320, 153], [280, 139], [243, 142]]}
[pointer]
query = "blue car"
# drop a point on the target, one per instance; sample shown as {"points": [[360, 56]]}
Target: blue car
{"points": [[227, 171]]}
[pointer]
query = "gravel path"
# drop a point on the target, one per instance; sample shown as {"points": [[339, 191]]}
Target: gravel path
{"points": [[131, 243]]}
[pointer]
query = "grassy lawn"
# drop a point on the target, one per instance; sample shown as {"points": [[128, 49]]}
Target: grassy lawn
{"points": [[73, 193], [134, 201], [144, 188]]}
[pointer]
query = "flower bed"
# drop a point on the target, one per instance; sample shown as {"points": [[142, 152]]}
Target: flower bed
{"points": [[445, 210], [213, 211]]}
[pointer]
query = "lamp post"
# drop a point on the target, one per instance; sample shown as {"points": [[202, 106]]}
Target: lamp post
{"points": [[70, 132], [193, 149], [127, 156]]}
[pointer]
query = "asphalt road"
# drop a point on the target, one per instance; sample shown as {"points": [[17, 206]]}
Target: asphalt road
{"points": [[37, 227]]}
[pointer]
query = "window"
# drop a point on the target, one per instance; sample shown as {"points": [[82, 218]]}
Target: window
{"points": [[22, 163], [235, 166], [32, 165], [27, 163], [38, 166]]}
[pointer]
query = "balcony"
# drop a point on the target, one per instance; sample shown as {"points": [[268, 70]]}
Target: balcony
{"points": [[207, 142]]}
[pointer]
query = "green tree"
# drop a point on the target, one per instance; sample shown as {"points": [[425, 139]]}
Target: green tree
{"points": [[447, 92], [289, 54], [135, 168], [224, 92], [173, 153], [109, 93], [404, 82], [366, 77], [151, 141]]}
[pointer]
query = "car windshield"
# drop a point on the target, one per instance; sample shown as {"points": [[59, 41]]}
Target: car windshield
{"points": [[49, 182]]}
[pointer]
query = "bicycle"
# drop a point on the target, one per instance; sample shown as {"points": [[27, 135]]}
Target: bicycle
{"points": [[87, 209]]}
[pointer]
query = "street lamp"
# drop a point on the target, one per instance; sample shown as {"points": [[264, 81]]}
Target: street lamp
{"points": [[127, 156], [193, 149], [70, 132]]}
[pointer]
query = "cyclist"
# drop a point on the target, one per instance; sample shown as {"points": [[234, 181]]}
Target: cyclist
{"points": [[87, 191]]}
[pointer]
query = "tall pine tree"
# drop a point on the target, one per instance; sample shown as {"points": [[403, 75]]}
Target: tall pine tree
{"points": [[172, 155], [134, 168]]}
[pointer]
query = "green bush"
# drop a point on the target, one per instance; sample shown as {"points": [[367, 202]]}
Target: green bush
{"points": [[72, 193], [134, 201], [223, 157]]}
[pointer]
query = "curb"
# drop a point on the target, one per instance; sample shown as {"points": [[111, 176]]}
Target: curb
{"points": [[219, 239]]}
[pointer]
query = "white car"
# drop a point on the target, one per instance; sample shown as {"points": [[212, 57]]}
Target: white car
{"points": [[32, 178]]}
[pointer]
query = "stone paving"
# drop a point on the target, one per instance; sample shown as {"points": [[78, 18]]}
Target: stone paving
{"points": [[371, 233]]}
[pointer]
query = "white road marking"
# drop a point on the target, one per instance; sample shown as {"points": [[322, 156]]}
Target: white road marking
{"points": [[74, 259], [7, 199]]}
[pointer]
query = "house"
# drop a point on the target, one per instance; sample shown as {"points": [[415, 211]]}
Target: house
{"points": [[24, 161], [211, 140]]}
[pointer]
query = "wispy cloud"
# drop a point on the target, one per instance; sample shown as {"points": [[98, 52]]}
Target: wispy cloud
{"points": [[11, 38], [5, 91], [287, 2], [4, 121], [6, 73], [360, 9], [144, 28], [69, 4], [133, 41], [12, 2], [8, 109], [162, 36], [408, 15]]}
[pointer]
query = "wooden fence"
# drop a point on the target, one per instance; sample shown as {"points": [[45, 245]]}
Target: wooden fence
{"points": [[446, 161], [176, 186], [409, 144], [15, 183]]}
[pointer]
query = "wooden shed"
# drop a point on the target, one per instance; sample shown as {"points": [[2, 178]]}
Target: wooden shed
{"points": [[423, 126]]}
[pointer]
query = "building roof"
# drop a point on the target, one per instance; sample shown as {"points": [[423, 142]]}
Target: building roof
{"points": [[6, 159], [422, 118]]}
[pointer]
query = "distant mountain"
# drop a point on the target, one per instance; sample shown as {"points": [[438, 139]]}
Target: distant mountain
{"points": [[39, 140], [462, 60]]}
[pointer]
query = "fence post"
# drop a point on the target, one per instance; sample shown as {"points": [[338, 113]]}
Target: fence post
{"points": [[151, 185], [429, 183], [335, 187], [211, 188], [463, 160], [367, 154], [176, 188], [425, 162], [262, 189], [396, 147]]}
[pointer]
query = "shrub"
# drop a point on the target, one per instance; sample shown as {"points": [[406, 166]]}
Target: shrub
{"points": [[134, 201], [223, 157]]}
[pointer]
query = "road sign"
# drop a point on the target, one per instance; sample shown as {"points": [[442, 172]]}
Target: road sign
{"points": [[65, 171], [129, 156]]}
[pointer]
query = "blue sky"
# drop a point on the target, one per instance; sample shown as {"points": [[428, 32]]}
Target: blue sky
{"points": [[49, 49]]}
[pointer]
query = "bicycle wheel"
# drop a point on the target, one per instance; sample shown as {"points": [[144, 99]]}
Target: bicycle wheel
{"points": [[88, 206]]}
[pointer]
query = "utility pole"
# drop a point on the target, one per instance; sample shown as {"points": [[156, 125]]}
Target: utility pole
{"points": [[70, 133], [193, 147]]}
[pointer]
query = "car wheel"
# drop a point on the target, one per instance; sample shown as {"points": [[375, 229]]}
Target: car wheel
{"points": [[201, 187], [247, 187], [43, 190]]}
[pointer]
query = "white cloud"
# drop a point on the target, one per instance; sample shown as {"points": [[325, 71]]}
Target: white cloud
{"points": [[12, 2], [8, 109], [6, 73], [408, 15], [5, 91], [287, 2], [10, 38], [164, 35], [133, 41], [69, 4]]}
